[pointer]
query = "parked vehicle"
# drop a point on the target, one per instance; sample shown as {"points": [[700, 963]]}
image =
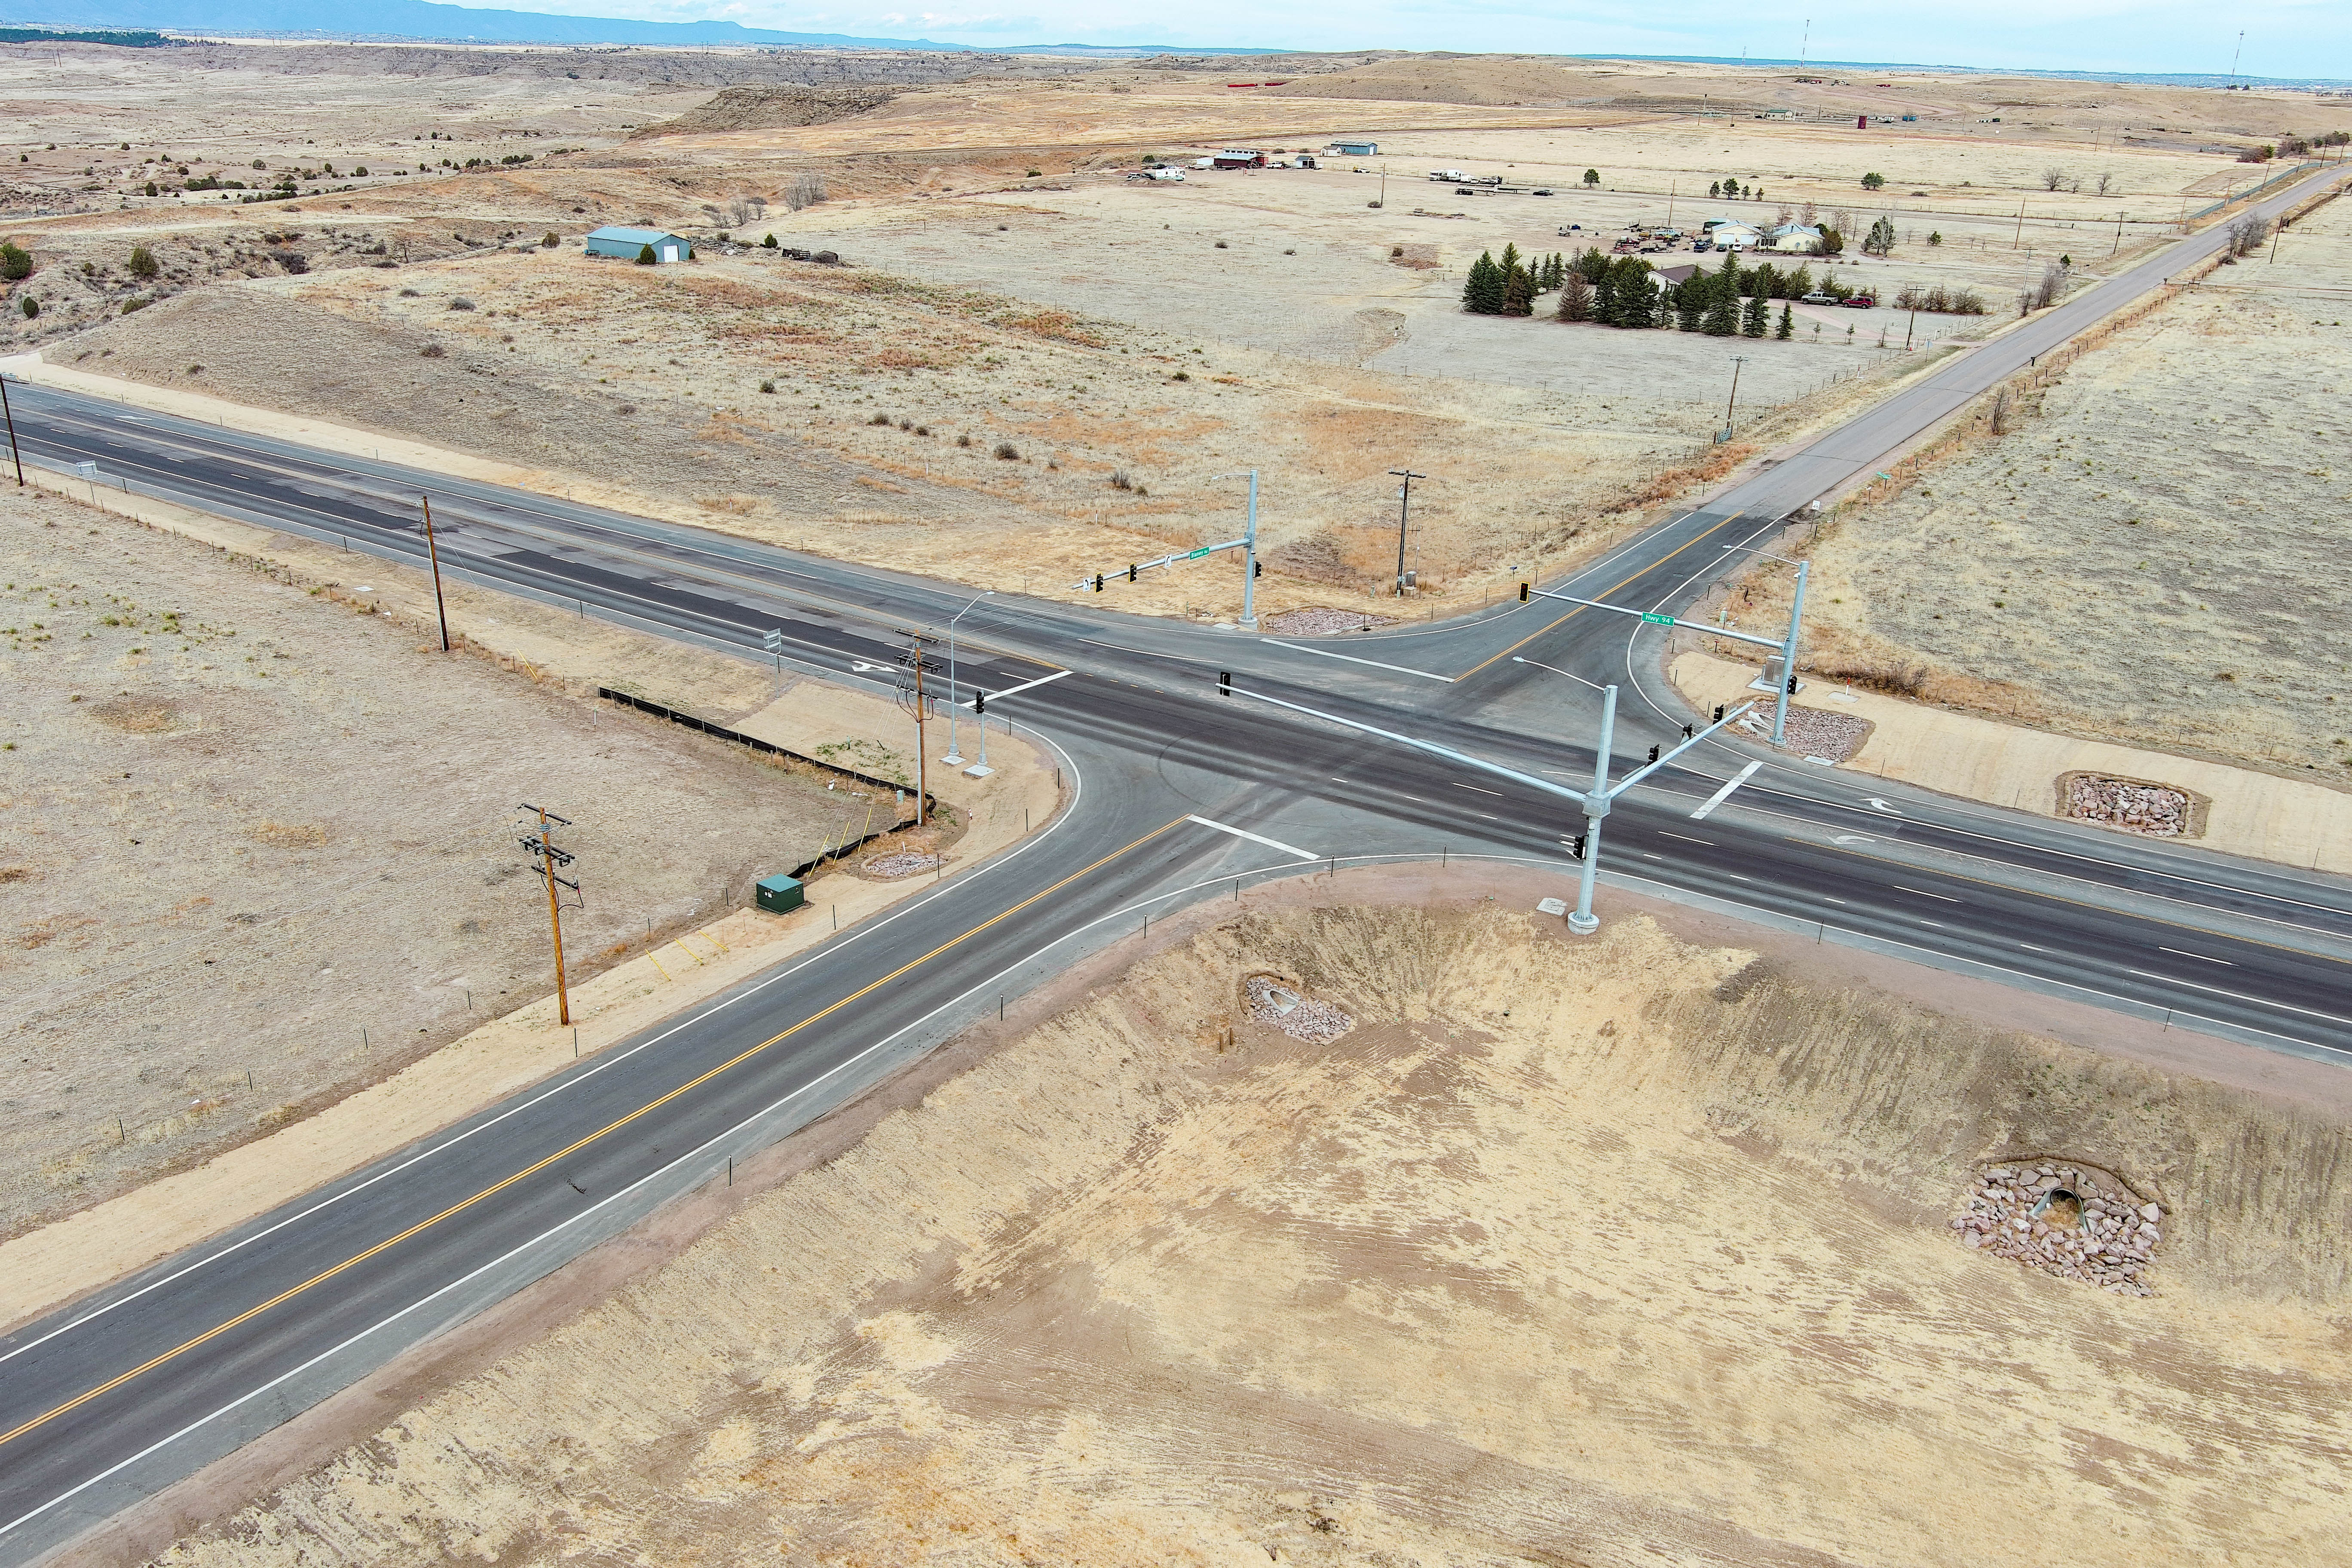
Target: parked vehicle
{"points": [[1170, 175], [1572, 228], [1204, 162], [1821, 299], [1448, 176], [1859, 302], [1541, 190]]}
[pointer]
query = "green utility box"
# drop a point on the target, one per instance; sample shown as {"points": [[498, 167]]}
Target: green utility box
{"points": [[778, 894]]}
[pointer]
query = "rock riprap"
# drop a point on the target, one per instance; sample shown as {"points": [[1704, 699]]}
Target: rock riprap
{"points": [[2064, 1220]]}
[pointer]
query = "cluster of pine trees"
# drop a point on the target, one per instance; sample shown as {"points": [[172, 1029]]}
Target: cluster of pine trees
{"points": [[1623, 291], [1509, 286]]}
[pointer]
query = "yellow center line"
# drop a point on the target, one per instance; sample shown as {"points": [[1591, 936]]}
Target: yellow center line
{"points": [[648, 1107], [1604, 593]]}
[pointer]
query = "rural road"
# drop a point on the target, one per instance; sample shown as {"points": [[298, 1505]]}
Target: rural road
{"points": [[1179, 796]]}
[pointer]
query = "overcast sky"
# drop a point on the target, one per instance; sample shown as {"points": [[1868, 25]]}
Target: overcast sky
{"points": [[2291, 38]]}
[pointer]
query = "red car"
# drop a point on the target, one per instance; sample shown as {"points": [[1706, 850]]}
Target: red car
{"points": [[1859, 302]]}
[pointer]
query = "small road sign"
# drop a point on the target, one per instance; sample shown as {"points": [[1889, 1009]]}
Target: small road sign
{"points": [[1657, 620]]}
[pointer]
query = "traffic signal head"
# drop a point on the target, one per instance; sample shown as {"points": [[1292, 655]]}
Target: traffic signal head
{"points": [[1224, 683], [1577, 848], [1688, 731], [1131, 571], [978, 704], [1258, 567], [1097, 582], [1523, 593], [1653, 753], [1792, 684], [1719, 714]]}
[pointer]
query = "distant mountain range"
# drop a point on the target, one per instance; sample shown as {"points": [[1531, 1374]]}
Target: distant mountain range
{"points": [[425, 21]]}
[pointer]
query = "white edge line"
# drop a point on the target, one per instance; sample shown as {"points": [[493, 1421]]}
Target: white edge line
{"points": [[2240, 996], [1016, 690], [594, 1067], [1351, 658], [1257, 838], [1719, 796]]}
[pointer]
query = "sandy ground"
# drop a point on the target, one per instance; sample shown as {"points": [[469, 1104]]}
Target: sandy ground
{"points": [[1642, 1257], [284, 925], [2151, 556]]}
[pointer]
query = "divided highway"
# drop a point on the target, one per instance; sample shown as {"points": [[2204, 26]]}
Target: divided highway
{"points": [[1176, 796]]}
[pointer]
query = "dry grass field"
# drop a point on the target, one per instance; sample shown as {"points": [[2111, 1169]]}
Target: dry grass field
{"points": [[1007, 284], [1644, 1255], [2153, 552], [236, 833]]}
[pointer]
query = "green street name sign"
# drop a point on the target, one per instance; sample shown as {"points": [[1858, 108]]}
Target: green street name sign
{"points": [[1657, 620], [1198, 553]]}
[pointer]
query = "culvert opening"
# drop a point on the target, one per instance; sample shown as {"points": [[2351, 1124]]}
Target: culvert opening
{"points": [[2060, 1207]]}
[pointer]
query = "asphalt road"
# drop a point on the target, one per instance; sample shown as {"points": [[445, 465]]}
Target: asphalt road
{"points": [[1179, 795]]}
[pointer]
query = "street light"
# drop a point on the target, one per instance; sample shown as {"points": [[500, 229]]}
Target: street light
{"points": [[955, 757]]}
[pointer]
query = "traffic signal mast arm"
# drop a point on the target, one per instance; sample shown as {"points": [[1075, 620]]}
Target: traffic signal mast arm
{"points": [[1655, 619], [1638, 774], [1095, 581]]}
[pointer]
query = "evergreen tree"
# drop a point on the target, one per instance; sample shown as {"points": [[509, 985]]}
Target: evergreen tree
{"points": [[1482, 294], [1752, 318], [1690, 301], [1575, 298], [1801, 283], [1766, 284], [1605, 297], [1715, 190], [1637, 296], [1787, 327], [1511, 262], [1519, 292], [1593, 265], [1722, 318]]}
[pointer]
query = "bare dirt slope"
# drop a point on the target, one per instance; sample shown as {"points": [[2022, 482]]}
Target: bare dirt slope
{"points": [[2154, 552], [1615, 1252], [240, 824]]}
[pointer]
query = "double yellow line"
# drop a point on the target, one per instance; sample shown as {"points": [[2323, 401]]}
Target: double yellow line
{"points": [[354, 1261]]}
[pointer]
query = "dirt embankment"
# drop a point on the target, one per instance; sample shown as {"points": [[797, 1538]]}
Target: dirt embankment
{"points": [[1625, 1251], [258, 845]]}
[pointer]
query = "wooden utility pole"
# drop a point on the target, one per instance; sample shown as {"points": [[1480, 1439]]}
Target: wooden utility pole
{"points": [[1404, 514], [433, 551], [912, 695], [543, 850], [11, 416]]}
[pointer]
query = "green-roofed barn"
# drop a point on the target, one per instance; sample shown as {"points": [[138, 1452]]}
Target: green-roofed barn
{"points": [[629, 244]]}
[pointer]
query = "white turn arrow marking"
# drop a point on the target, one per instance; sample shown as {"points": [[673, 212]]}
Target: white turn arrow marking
{"points": [[1878, 804], [1852, 838]]}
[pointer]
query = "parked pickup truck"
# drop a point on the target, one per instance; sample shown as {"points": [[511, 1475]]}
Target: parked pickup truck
{"points": [[1822, 299]]}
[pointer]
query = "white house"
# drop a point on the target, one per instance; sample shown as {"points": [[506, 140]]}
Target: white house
{"points": [[1796, 238], [1736, 236]]}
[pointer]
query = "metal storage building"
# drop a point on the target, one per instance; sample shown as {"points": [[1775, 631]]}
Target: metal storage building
{"points": [[1356, 149], [630, 243]]}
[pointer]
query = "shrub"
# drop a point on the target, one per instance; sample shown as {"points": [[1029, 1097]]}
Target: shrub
{"points": [[769, 387], [1120, 481], [143, 262], [408, 294], [1873, 181], [1033, 173], [1221, 246], [906, 425], [549, 241], [2053, 177], [361, 172], [1592, 176], [963, 440], [16, 264], [1181, 375], [152, 190], [432, 350], [2246, 234], [1395, 251], [1935, 236], [1007, 452], [460, 303], [806, 191], [138, 302], [30, 306], [879, 419], [769, 243], [261, 162], [292, 260], [645, 255]]}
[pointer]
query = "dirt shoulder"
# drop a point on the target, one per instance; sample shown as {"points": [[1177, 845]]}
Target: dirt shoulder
{"points": [[1607, 1251]]}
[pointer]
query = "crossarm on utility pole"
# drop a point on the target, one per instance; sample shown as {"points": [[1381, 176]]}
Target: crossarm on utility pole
{"points": [[1657, 620], [1432, 747], [1638, 774]]}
